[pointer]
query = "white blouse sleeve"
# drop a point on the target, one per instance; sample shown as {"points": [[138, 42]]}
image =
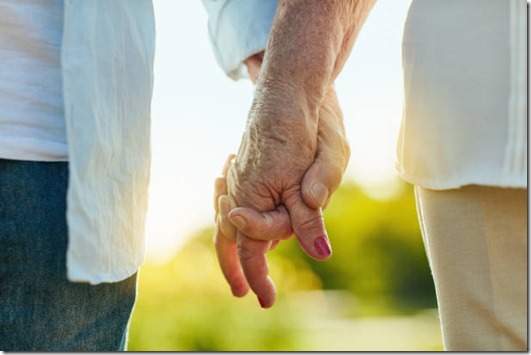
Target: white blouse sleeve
{"points": [[237, 30]]}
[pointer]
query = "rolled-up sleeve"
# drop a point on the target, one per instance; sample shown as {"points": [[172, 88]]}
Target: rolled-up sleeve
{"points": [[237, 30]]}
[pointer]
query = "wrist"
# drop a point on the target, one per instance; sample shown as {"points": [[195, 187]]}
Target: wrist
{"points": [[285, 102]]}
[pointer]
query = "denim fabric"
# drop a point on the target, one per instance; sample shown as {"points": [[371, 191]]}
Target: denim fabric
{"points": [[40, 309]]}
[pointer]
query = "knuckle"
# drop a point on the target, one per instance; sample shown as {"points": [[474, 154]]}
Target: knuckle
{"points": [[284, 236], [314, 223], [245, 256], [291, 195], [345, 151]]}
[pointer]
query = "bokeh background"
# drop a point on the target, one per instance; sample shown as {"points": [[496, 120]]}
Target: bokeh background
{"points": [[375, 293]]}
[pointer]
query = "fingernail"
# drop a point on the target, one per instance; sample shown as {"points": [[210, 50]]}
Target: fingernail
{"points": [[319, 192], [322, 246], [262, 303], [238, 221]]}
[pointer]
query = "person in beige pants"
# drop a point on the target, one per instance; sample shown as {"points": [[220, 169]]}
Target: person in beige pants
{"points": [[463, 144]]}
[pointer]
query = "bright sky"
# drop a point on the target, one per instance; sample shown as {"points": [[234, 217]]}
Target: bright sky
{"points": [[198, 114]]}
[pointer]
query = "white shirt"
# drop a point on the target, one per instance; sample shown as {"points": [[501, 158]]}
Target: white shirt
{"points": [[107, 66], [465, 86], [465, 75], [237, 30], [106, 74], [32, 125]]}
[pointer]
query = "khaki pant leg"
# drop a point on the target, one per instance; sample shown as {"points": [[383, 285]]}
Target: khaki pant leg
{"points": [[476, 241]]}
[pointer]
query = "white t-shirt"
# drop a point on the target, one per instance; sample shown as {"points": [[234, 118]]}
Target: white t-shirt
{"points": [[32, 124]]}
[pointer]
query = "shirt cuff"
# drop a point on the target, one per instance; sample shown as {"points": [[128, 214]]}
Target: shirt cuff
{"points": [[237, 30]]}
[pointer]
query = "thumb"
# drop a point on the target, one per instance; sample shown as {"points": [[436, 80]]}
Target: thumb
{"points": [[323, 177], [308, 226], [320, 181]]}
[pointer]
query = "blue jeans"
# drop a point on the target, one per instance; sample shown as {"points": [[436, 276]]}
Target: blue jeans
{"points": [[40, 309]]}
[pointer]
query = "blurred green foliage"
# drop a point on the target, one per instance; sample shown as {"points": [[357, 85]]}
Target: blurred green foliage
{"points": [[184, 304], [378, 268], [378, 251]]}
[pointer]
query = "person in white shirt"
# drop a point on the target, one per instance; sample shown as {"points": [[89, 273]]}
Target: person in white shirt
{"points": [[75, 91], [463, 144]]}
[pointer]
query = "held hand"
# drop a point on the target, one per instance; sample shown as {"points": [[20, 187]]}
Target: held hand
{"points": [[327, 170], [225, 233]]}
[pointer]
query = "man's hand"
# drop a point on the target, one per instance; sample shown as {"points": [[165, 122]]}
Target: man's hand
{"points": [[333, 152]]}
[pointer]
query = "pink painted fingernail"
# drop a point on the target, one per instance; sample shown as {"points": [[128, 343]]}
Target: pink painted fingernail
{"points": [[322, 246]]}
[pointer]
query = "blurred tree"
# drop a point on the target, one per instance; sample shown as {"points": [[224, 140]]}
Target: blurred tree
{"points": [[184, 304], [378, 251], [378, 267]]}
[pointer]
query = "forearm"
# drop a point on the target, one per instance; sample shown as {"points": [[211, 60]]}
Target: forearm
{"points": [[309, 43]]}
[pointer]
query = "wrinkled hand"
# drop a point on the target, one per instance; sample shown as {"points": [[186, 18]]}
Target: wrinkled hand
{"points": [[333, 152], [277, 148], [319, 182], [279, 169]]}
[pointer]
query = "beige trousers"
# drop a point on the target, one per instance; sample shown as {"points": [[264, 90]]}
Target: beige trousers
{"points": [[476, 242]]}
